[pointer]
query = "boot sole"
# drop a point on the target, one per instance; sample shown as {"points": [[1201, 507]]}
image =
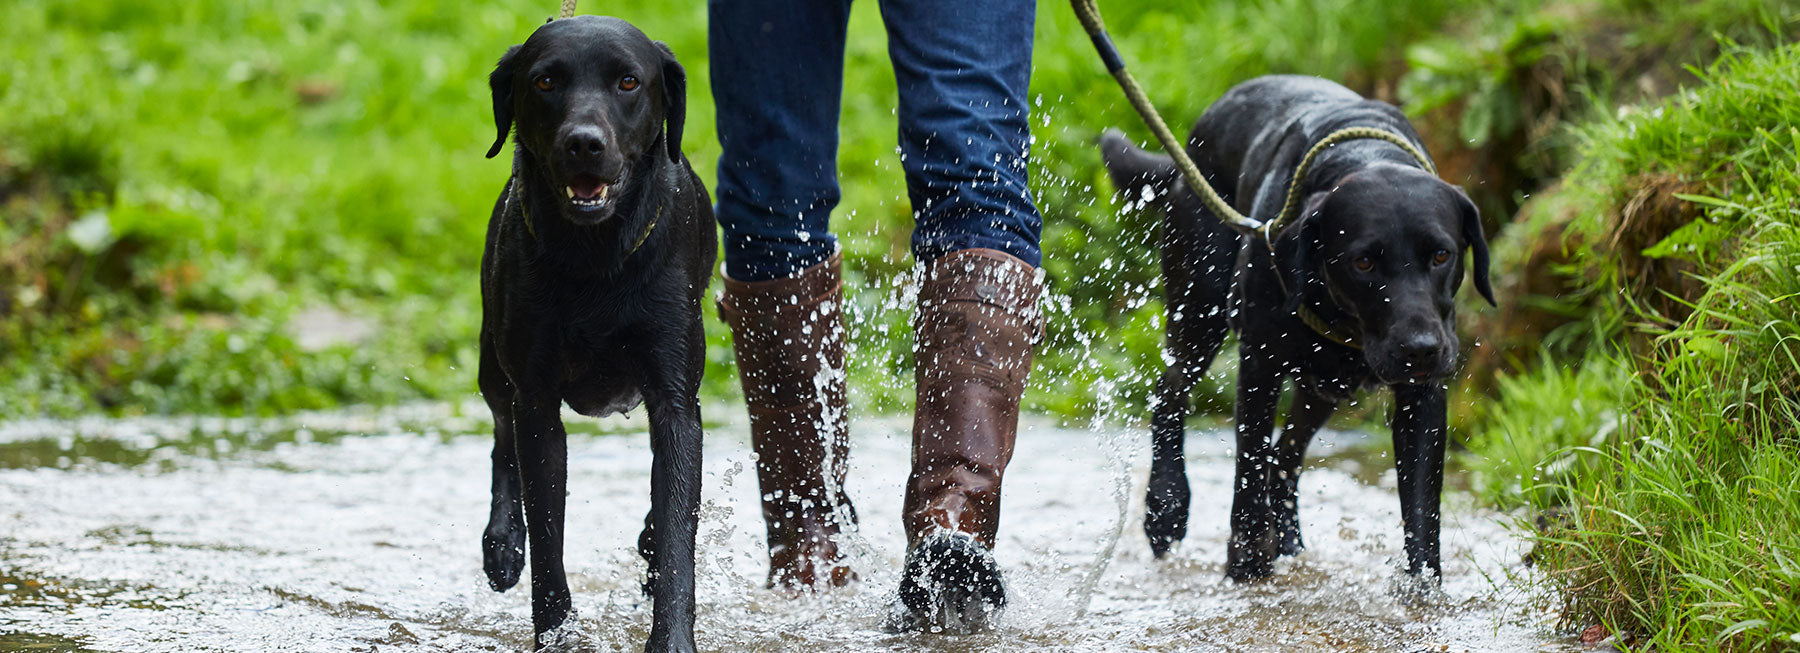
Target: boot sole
{"points": [[951, 585]]}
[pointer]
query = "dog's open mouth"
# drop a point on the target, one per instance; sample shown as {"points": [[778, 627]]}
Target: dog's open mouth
{"points": [[588, 193]]}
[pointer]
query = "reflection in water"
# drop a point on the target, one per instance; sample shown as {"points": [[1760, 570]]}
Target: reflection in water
{"points": [[286, 535]]}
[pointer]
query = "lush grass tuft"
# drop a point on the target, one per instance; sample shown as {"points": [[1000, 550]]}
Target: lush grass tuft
{"points": [[1678, 520]]}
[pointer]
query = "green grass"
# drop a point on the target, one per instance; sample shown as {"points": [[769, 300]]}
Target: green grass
{"points": [[1676, 519], [1530, 448], [179, 180], [227, 199]]}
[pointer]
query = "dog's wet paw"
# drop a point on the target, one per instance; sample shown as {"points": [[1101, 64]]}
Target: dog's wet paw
{"points": [[1166, 510], [503, 556], [1422, 589], [668, 641], [567, 638], [1288, 529], [1250, 559]]}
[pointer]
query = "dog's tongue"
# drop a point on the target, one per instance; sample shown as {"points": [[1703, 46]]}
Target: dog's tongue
{"points": [[585, 187]]}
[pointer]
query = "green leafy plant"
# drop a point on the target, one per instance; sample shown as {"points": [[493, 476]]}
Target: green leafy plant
{"points": [[1483, 77]]}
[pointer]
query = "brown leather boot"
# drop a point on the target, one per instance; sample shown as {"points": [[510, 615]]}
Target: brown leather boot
{"points": [[789, 339], [976, 325]]}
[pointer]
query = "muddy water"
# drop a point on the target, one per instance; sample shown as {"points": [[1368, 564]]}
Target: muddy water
{"points": [[360, 531]]}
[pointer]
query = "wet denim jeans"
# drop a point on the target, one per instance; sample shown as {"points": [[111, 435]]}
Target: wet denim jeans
{"points": [[962, 68]]}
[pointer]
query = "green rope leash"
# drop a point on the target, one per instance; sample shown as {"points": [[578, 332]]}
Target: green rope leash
{"points": [[1089, 13], [568, 10], [1292, 205]]}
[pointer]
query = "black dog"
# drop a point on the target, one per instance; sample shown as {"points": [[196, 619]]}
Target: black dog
{"points": [[598, 252], [1372, 263]]}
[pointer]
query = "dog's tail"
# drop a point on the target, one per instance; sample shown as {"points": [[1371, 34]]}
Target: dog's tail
{"points": [[1144, 179]]}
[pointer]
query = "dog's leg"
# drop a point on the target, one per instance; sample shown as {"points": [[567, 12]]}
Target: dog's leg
{"points": [[543, 457], [1251, 552], [671, 396], [647, 551], [1197, 328], [1419, 418], [503, 543], [1167, 496], [1308, 412]]}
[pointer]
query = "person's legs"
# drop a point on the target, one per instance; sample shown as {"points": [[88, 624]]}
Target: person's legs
{"points": [[962, 69], [778, 81], [777, 78]]}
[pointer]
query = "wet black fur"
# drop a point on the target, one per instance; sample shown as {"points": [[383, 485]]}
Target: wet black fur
{"points": [[1362, 198], [574, 310]]}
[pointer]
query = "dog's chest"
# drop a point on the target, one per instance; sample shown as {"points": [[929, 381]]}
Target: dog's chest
{"points": [[1333, 379], [603, 330], [600, 333], [602, 370]]}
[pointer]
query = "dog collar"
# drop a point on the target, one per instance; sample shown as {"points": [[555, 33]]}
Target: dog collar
{"points": [[1313, 320], [1324, 327], [525, 214], [646, 235]]}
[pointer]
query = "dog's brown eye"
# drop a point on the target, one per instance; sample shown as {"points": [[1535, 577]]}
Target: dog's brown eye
{"points": [[544, 83], [1364, 264], [628, 83], [1441, 257]]}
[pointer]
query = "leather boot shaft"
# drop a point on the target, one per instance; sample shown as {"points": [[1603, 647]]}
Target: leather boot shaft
{"points": [[789, 339], [976, 326]]}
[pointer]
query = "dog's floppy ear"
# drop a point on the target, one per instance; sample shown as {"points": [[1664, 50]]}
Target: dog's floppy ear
{"points": [[501, 81], [1471, 231], [1297, 250], [674, 100]]}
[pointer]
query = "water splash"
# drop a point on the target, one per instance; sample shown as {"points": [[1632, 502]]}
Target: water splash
{"points": [[369, 537]]}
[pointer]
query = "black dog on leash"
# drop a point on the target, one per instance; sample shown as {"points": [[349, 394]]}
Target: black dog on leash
{"points": [[1358, 290], [598, 252]]}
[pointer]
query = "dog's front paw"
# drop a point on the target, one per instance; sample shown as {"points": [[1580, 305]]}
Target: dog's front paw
{"points": [[503, 554], [566, 638], [1250, 557], [1166, 509], [670, 640], [1291, 544]]}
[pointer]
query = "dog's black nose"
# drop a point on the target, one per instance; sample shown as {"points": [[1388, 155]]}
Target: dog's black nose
{"points": [[585, 142], [1420, 349]]}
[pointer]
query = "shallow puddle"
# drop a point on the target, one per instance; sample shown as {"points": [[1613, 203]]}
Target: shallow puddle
{"points": [[360, 532]]}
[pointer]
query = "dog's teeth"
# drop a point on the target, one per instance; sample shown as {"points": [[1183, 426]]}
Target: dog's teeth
{"points": [[604, 190], [570, 191]]}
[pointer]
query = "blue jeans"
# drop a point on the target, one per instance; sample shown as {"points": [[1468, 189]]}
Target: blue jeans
{"points": [[962, 68]]}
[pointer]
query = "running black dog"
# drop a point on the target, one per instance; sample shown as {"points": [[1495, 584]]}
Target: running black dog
{"points": [[1358, 290], [598, 252]]}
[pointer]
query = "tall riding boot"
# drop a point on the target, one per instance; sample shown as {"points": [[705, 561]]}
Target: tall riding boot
{"points": [[789, 339], [976, 325]]}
